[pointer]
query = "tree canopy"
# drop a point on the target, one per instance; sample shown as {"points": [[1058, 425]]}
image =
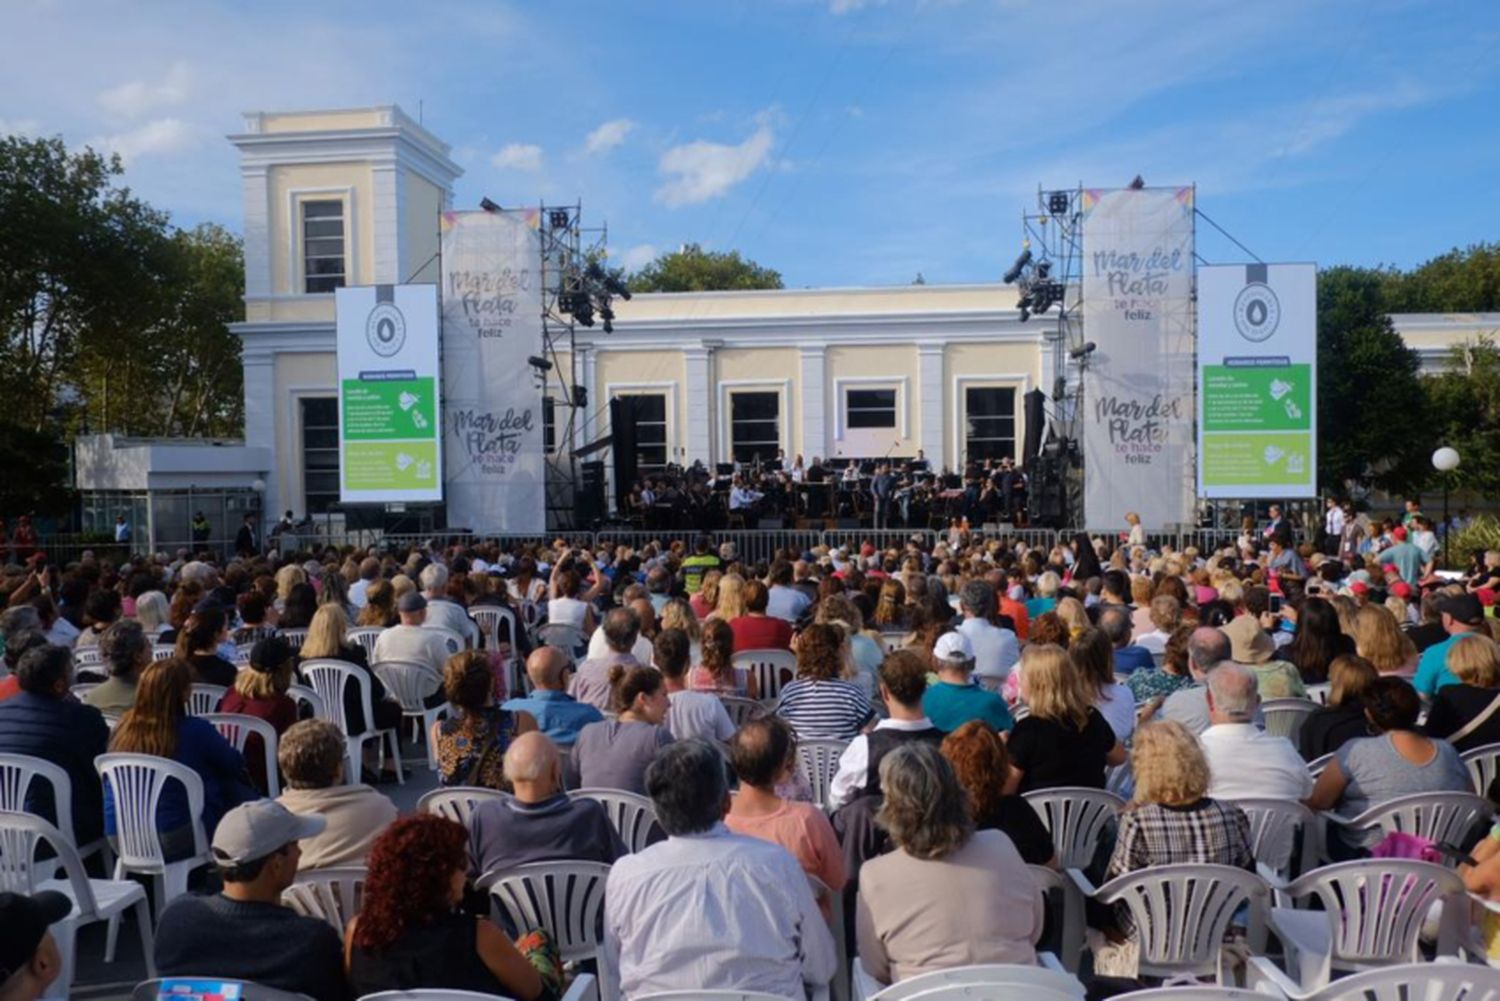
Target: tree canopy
{"points": [[693, 269]]}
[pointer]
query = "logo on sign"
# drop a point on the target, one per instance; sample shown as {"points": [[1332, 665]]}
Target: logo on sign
{"points": [[385, 330], [1257, 312]]}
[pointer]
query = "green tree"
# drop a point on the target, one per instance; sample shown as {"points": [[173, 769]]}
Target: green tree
{"points": [[693, 269], [1371, 401], [1464, 404], [1460, 280]]}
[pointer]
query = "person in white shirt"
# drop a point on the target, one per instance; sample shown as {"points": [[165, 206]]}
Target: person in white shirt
{"points": [[641, 650], [443, 611], [708, 909], [369, 569], [996, 649], [1333, 526], [1246, 762], [409, 640], [741, 497]]}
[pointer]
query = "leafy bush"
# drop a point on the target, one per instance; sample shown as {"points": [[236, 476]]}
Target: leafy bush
{"points": [[1482, 532]]}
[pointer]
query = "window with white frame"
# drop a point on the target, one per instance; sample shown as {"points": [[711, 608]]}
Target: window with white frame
{"points": [[870, 408], [754, 425], [320, 453], [323, 245], [989, 422]]}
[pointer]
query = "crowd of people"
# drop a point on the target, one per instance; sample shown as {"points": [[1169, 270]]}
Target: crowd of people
{"points": [[962, 676]]}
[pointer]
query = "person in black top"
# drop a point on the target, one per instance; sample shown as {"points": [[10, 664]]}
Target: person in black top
{"points": [[199, 640], [1065, 741], [1467, 715], [1329, 727], [980, 760], [1430, 631], [1318, 641]]}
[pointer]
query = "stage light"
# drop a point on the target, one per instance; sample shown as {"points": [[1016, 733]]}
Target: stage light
{"points": [[1059, 387], [558, 218], [1015, 269], [539, 363], [1083, 350], [488, 205], [1043, 269], [607, 315], [580, 396], [583, 309], [1138, 183], [1057, 203], [1025, 312]]}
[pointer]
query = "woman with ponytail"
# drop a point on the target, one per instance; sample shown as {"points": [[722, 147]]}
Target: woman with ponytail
{"points": [[198, 644], [614, 753]]}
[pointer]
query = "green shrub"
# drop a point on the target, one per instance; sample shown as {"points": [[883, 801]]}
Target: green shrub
{"points": [[1482, 532]]}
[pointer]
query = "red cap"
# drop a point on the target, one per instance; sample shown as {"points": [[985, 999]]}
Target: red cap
{"points": [[1401, 589], [1399, 533], [867, 550], [1486, 596], [1359, 587]]}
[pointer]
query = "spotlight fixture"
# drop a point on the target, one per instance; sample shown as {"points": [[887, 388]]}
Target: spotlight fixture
{"points": [[488, 205], [558, 218], [607, 314], [580, 396], [1043, 269], [583, 309], [1083, 351], [1015, 269], [1044, 293], [539, 363], [1057, 203], [612, 285], [1025, 312], [1059, 387]]}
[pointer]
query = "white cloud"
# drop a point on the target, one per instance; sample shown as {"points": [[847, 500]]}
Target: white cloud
{"points": [[607, 136], [638, 257], [163, 135], [705, 170], [518, 156], [18, 126], [137, 98]]}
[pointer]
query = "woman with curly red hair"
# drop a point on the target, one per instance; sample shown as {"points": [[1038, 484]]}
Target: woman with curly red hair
{"points": [[980, 761], [410, 932]]}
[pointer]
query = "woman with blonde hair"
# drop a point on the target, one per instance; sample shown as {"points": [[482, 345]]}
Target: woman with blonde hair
{"points": [[1331, 726], [731, 604], [327, 639], [286, 578], [1065, 741], [1073, 615], [1379, 639], [890, 609], [678, 614], [1467, 714], [1137, 534], [707, 599], [380, 605]]}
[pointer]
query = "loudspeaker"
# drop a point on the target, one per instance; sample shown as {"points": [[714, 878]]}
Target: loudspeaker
{"points": [[1036, 420], [588, 501], [622, 410], [1049, 496]]}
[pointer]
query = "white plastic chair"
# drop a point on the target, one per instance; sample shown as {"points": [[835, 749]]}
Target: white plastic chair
{"points": [[237, 728], [1319, 693], [1075, 817], [328, 678], [18, 771], [1436, 816], [1442, 980], [457, 803], [334, 894], [81, 689], [770, 668], [241, 656], [565, 898], [412, 683], [1181, 913], [294, 638], [742, 710], [365, 636], [136, 782], [303, 695], [1035, 983], [205, 698], [567, 638], [818, 760], [85, 657], [1282, 835], [1373, 915], [93, 899], [1191, 992], [1284, 717], [632, 815], [1318, 765], [1483, 763], [163, 651], [489, 618], [1050, 881], [455, 642]]}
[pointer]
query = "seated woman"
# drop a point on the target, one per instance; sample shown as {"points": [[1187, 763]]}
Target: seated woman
{"points": [[947, 895], [380, 605], [763, 754], [260, 691], [1152, 686], [159, 724], [980, 761], [614, 753], [198, 643], [327, 639], [1467, 714], [1399, 762], [717, 673], [755, 630], [1065, 741], [411, 934], [819, 702], [127, 651], [1330, 727], [470, 745]]}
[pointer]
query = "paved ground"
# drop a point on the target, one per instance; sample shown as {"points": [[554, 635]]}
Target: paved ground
{"points": [[97, 980]]}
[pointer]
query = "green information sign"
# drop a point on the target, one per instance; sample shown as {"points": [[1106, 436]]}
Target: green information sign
{"points": [[1259, 459], [383, 465], [396, 409], [1271, 398]]}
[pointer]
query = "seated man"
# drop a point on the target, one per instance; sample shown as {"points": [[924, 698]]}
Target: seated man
{"points": [[1115, 622], [311, 755], [29, 958], [243, 932], [538, 822], [1246, 762], [409, 641], [707, 909], [903, 683], [557, 714], [955, 699], [621, 629]]}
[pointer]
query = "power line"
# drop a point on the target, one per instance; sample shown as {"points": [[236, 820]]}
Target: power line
{"points": [[1205, 217]]}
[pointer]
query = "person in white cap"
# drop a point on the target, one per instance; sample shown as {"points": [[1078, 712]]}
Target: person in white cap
{"points": [[243, 932], [955, 699]]}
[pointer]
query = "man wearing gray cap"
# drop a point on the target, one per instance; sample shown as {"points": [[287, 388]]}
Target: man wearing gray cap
{"points": [[409, 641], [244, 932]]}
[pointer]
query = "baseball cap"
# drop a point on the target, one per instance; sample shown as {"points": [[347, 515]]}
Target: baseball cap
{"points": [[25, 920], [270, 653], [1401, 589], [953, 646], [411, 601], [1399, 533], [254, 830], [868, 549], [1463, 608]]}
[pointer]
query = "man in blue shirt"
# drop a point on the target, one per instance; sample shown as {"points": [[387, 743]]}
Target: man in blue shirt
{"points": [[1462, 614], [1115, 621], [955, 700], [557, 714], [1405, 557]]}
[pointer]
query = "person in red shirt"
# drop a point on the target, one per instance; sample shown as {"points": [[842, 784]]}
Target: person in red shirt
{"points": [[260, 691], [755, 630]]}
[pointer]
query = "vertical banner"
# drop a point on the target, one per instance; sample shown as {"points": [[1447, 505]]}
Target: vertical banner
{"points": [[387, 338], [492, 415], [1138, 383], [1258, 380]]}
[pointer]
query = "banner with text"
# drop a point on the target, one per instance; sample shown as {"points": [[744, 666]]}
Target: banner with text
{"points": [[1138, 384], [492, 415], [1258, 380], [387, 342]]}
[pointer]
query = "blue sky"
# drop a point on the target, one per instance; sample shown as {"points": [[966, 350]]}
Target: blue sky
{"points": [[843, 142]]}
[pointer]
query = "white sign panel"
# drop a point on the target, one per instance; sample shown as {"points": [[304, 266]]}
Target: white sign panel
{"points": [[1258, 380], [387, 337], [1138, 384], [492, 415]]}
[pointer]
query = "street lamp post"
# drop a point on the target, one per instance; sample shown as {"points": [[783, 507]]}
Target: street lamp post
{"points": [[1445, 460]]}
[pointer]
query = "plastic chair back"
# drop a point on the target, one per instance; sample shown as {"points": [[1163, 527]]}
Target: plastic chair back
{"points": [[328, 679], [365, 636], [1035, 983], [1319, 693], [454, 642], [21, 834], [205, 699], [770, 668], [567, 638], [1281, 834], [137, 782], [303, 695], [1483, 764], [457, 803], [490, 618], [565, 898], [18, 771], [237, 728], [1284, 717], [294, 638], [1317, 765], [1409, 982], [1075, 817], [409, 682], [707, 995], [632, 815], [163, 651], [1436, 816], [334, 894], [1181, 913], [818, 760], [1376, 907], [741, 710]]}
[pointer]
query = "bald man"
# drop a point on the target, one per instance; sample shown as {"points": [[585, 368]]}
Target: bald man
{"points": [[539, 823], [557, 714]]}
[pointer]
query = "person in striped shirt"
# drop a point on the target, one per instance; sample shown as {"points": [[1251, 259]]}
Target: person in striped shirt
{"points": [[820, 702]]}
